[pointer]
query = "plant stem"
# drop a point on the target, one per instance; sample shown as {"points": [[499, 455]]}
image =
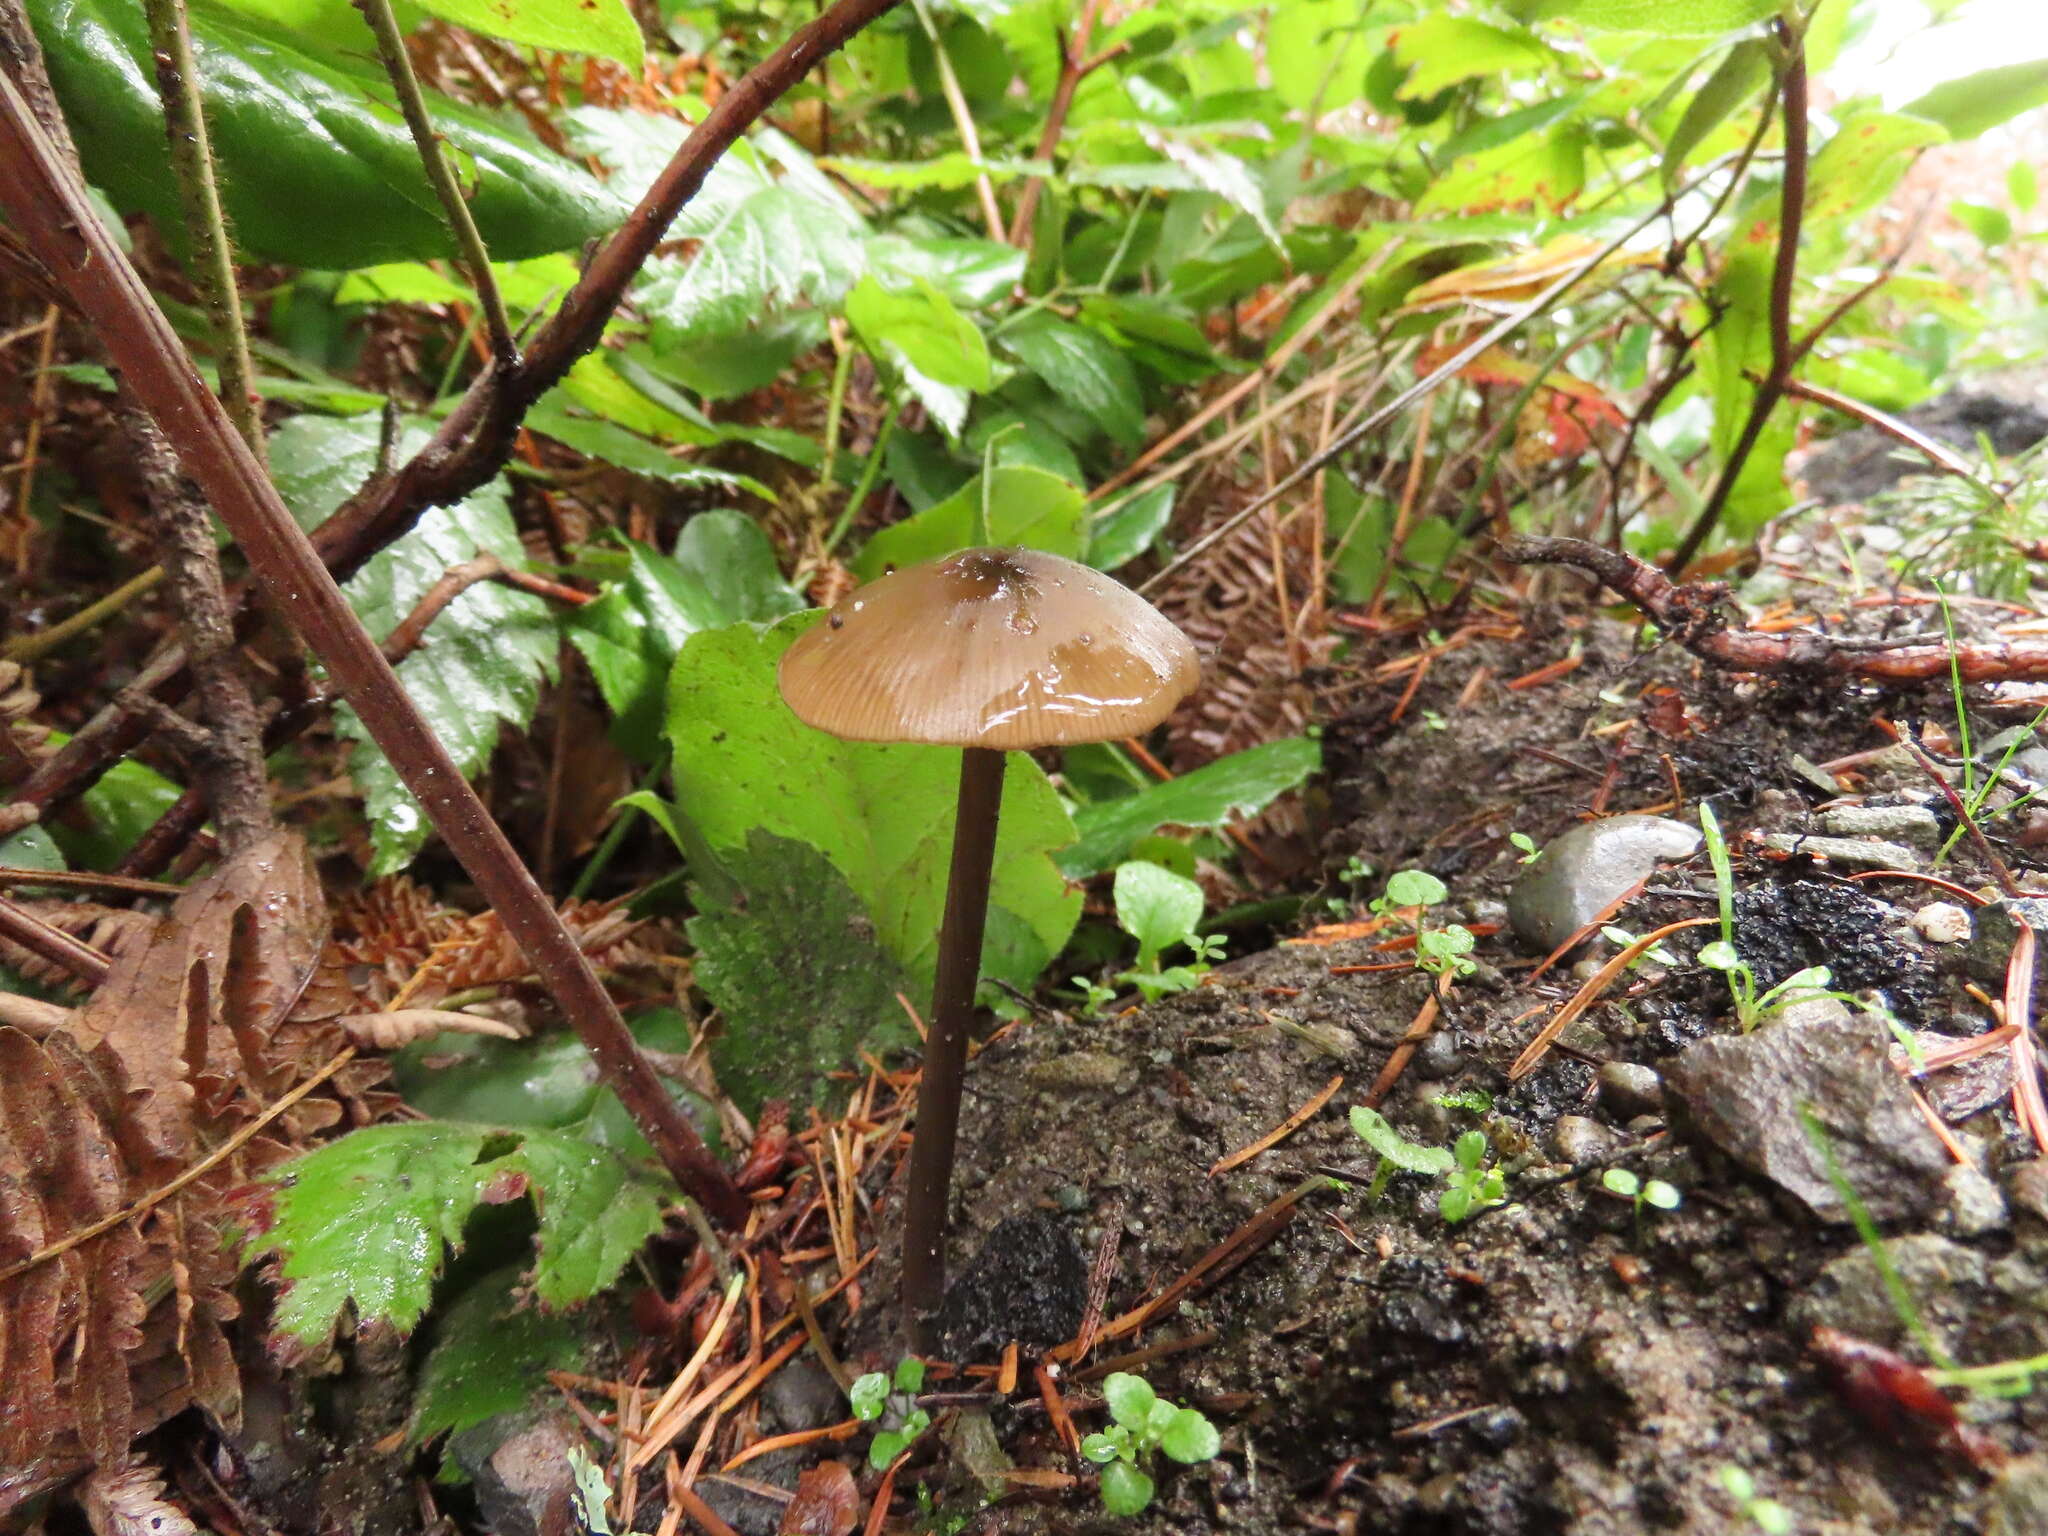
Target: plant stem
{"points": [[963, 120], [1075, 66], [475, 258], [213, 258], [1784, 271], [945, 1055], [45, 204], [870, 473]]}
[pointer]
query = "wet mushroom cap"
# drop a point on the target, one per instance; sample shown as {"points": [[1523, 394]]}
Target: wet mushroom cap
{"points": [[1001, 648]]}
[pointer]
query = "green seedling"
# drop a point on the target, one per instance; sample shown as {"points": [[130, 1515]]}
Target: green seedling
{"points": [[1469, 1185], [1094, 995], [1444, 951], [1648, 1194], [1525, 845], [892, 1400], [1621, 938], [1160, 909], [1142, 1424], [1751, 1006], [1767, 1515]]}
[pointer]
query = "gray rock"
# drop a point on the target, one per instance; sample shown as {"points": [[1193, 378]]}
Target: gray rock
{"points": [[1629, 1089], [1914, 824], [803, 1395], [1743, 1094], [1576, 1140], [1998, 925], [2017, 1504], [1081, 1070], [1949, 1284], [1849, 852], [1438, 1056], [2030, 1187], [519, 1464], [1975, 1205], [1582, 870]]}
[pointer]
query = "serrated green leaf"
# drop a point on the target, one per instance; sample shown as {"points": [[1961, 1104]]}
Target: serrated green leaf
{"points": [[972, 273], [315, 169], [602, 27], [1232, 787], [1155, 906], [1442, 49], [1220, 173], [485, 656], [366, 1220], [1668, 18], [792, 962], [1025, 507], [921, 329], [1979, 102], [882, 814], [1082, 367], [613, 444], [723, 571], [489, 1349]]}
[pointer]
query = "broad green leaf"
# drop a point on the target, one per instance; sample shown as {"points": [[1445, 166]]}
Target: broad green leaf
{"points": [[1442, 49], [1863, 161], [1232, 787], [115, 812], [1083, 368], [1189, 1437], [603, 27], [1126, 530], [1669, 18], [1130, 1399], [947, 173], [1222, 173], [523, 285], [1155, 906], [485, 656], [920, 329], [1547, 170], [315, 169], [1304, 42], [791, 961], [1125, 1490], [972, 273], [1736, 351], [723, 571], [1975, 103], [624, 449], [882, 814], [367, 1219], [489, 1349], [31, 848], [1742, 74], [1025, 507]]}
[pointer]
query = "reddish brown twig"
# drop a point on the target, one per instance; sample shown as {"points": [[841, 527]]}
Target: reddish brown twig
{"points": [[1075, 66], [46, 205], [1694, 615], [52, 944]]}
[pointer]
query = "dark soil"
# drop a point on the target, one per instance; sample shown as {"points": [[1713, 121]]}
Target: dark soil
{"points": [[1551, 1365]]}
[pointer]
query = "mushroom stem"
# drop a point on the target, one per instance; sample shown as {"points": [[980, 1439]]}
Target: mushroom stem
{"points": [[945, 1055]]}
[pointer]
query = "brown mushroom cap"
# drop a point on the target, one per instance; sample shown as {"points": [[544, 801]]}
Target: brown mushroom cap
{"points": [[1002, 648]]}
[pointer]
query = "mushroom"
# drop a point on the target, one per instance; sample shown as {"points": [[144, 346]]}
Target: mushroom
{"points": [[989, 650]]}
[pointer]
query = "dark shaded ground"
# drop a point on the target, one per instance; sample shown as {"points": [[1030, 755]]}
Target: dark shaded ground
{"points": [[1548, 1366]]}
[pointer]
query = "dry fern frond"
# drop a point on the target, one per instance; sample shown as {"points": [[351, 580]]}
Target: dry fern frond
{"points": [[131, 1502], [113, 931]]}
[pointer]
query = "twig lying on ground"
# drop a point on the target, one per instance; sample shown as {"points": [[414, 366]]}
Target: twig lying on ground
{"points": [[1694, 615]]}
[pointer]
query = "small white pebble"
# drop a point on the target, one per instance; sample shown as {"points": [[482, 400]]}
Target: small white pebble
{"points": [[1942, 922]]}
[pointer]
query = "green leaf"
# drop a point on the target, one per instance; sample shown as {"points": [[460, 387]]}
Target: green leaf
{"points": [[929, 342], [1155, 906], [489, 1349], [1410, 1157], [1233, 787], [723, 571], [1735, 351], [1976, 103], [1742, 74], [1415, 888], [1083, 368], [1441, 50], [1125, 1490], [1668, 18], [1189, 1437], [1099, 1448], [1130, 1399], [485, 656], [1220, 173], [946, 173], [603, 27], [1126, 529], [1864, 161], [366, 1220], [869, 1395], [883, 815], [622, 449], [118, 809], [1991, 226], [790, 959], [1025, 506], [315, 170], [972, 273]]}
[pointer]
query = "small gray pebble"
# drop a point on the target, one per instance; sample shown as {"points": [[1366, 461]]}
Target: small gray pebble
{"points": [[1582, 870], [1913, 824], [1071, 1198], [1576, 1140], [1976, 1207], [1629, 1089], [1438, 1056]]}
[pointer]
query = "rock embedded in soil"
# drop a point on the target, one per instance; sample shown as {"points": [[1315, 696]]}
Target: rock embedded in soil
{"points": [[1848, 852], [1948, 1281], [1942, 922], [1914, 824], [1976, 1208], [1998, 926], [1027, 1283], [1629, 1089], [1581, 871], [2017, 1503], [1742, 1094], [519, 1466]]}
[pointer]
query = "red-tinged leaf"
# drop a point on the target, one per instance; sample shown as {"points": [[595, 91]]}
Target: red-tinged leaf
{"points": [[826, 1504], [1899, 1399], [505, 1188]]}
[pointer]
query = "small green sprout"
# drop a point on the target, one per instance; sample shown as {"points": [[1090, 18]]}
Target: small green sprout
{"points": [[875, 1394], [1477, 1100], [1094, 995], [1441, 951], [1621, 938], [1525, 845], [1469, 1186], [1160, 909], [1142, 1425], [1355, 870], [1767, 1515], [1753, 1007], [1472, 1186], [1651, 1194]]}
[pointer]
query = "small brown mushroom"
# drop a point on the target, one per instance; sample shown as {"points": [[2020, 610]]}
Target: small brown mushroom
{"points": [[988, 650]]}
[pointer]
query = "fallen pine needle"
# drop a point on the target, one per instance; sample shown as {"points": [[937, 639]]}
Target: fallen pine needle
{"points": [[842, 1431], [762, 1372], [686, 1378], [2027, 1104], [1583, 999], [1280, 1132]]}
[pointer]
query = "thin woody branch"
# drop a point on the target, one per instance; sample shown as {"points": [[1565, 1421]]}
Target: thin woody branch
{"points": [[45, 201]]}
